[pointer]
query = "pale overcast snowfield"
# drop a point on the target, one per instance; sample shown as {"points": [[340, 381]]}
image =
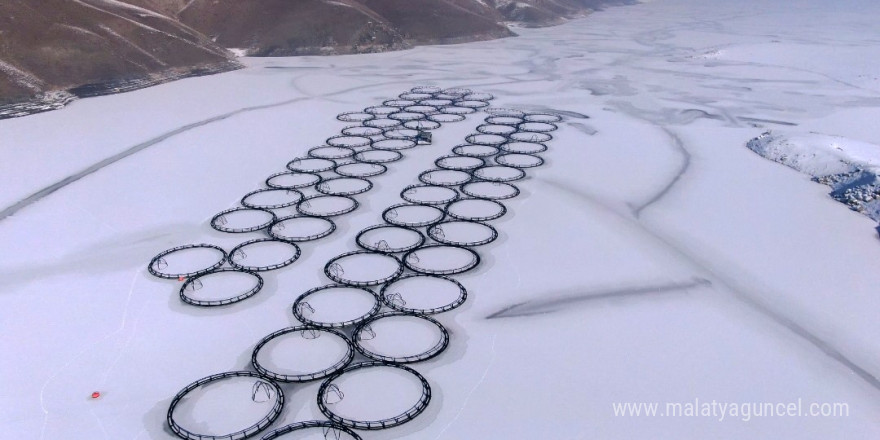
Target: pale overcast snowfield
{"points": [[652, 258]]}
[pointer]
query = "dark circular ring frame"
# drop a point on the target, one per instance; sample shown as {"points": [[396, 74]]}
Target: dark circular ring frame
{"points": [[513, 173], [407, 192], [330, 152], [326, 428], [240, 249], [159, 260], [378, 156], [349, 141], [519, 160], [465, 163], [436, 233], [392, 299], [298, 306], [315, 178], [330, 273], [429, 177], [542, 117], [462, 269], [467, 189], [355, 116], [391, 217], [530, 136], [317, 165], [500, 213], [500, 111], [314, 332], [387, 250], [347, 170], [246, 203], [241, 434], [218, 219], [324, 186], [364, 327], [361, 131], [306, 203], [191, 283], [331, 227], [406, 416]]}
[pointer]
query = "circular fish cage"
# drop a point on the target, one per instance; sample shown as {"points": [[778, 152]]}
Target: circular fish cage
{"points": [[475, 209], [441, 259], [429, 194], [471, 103], [519, 160], [298, 228], [537, 127], [336, 306], [542, 117], [479, 96], [435, 102], [240, 220], [330, 152], [221, 287], [412, 215], [520, 147], [499, 111], [459, 163], [499, 173], [302, 354], [361, 169], [389, 239], [443, 177], [496, 129], [317, 429], [382, 123], [463, 233], [363, 268], [424, 124], [374, 395], [400, 103], [262, 254], [355, 116], [351, 142], [446, 117], [292, 180], [378, 156], [310, 165], [490, 190], [470, 150], [456, 110], [381, 110], [226, 406], [527, 136], [271, 198], [344, 186], [423, 294], [505, 120], [400, 338], [187, 261], [362, 131], [326, 206], [402, 133], [394, 144], [426, 89], [492, 140]]}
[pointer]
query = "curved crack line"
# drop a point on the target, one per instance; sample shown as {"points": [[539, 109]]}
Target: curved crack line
{"points": [[727, 282], [685, 164]]}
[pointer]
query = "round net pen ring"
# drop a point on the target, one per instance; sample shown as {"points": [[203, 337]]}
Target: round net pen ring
{"points": [[310, 165], [331, 396], [363, 268], [381, 110], [160, 262], [224, 221], [344, 186], [490, 190], [197, 283], [499, 173], [370, 338], [355, 116], [330, 430], [475, 209], [349, 141], [423, 294], [441, 259], [263, 391], [383, 123], [529, 136], [303, 333], [272, 198], [519, 160], [542, 117], [537, 127], [298, 228], [330, 152], [361, 131], [240, 253], [466, 233], [399, 103], [500, 111], [361, 303], [292, 180], [426, 89], [326, 206], [496, 129], [361, 169], [412, 215], [444, 177], [429, 194], [378, 156], [459, 163], [389, 239]]}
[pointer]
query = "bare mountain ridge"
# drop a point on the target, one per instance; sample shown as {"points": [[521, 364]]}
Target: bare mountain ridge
{"points": [[52, 51]]}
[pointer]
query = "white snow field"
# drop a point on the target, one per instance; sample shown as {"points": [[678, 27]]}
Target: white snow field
{"points": [[652, 258]]}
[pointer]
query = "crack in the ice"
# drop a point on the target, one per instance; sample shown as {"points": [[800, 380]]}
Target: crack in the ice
{"points": [[553, 304]]}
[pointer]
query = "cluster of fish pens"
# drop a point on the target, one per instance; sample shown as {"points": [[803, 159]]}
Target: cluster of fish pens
{"points": [[388, 327]]}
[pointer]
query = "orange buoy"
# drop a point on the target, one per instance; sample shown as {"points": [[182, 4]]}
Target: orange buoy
{"points": [[181, 279], [95, 395]]}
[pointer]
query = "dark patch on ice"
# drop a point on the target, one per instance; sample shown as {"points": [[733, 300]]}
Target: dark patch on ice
{"points": [[584, 128], [567, 299], [767, 121], [686, 163]]}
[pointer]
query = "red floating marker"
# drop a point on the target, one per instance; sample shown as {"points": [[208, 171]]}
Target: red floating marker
{"points": [[181, 279], [95, 395]]}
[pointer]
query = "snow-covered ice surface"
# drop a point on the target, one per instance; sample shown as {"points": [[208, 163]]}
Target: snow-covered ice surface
{"points": [[652, 258]]}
